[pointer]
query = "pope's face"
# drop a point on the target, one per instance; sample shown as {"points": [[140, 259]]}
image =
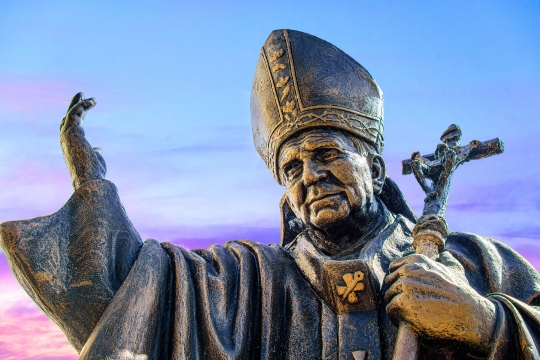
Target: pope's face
{"points": [[327, 180]]}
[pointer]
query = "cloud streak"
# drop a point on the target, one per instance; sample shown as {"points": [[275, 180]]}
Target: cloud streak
{"points": [[33, 97]]}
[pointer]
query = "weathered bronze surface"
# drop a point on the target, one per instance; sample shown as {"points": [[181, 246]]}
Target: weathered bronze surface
{"points": [[345, 274]]}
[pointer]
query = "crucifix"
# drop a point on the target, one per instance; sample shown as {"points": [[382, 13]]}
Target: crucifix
{"points": [[431, 230]]}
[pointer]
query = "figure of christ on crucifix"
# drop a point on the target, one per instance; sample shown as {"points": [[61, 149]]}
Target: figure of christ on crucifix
{"points": [[345, 276]]}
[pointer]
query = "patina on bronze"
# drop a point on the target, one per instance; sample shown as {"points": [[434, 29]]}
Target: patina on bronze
{"points": [[342, 279]]}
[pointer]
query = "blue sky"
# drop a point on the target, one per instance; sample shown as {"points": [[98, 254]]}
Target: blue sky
{"points": [[173, 79]]}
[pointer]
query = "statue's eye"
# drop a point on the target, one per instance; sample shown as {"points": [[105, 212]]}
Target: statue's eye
{"points": [[329, 154], [292, 169]]}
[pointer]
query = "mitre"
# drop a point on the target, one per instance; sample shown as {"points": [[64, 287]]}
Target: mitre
{"points": [[303, 82]]}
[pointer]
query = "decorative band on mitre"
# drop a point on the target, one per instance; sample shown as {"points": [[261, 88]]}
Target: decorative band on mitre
{"points": [[303, 82]]}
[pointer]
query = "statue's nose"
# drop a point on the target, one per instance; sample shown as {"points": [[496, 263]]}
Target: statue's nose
{"points": [[313, 172]]}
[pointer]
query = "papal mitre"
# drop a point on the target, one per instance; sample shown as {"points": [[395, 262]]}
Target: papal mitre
{"points": [[303, 82]]}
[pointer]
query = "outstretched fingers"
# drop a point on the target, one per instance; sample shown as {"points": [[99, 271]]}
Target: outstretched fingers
{"points": [[77, 110], [84, 162]]}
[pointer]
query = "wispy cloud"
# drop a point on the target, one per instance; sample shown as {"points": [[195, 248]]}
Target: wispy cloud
{"points": [[510, 195], [202, 237], [526, 232], [30, 96], [209, 147]]}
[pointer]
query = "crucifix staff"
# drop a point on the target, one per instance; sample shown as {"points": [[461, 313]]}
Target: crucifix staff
{"points": [[431, 230]]}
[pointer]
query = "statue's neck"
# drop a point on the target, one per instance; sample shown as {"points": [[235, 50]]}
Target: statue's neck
{"points": [[353, 231]]}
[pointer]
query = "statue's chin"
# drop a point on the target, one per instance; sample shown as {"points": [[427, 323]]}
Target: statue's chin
{"points": [[327, 218]]}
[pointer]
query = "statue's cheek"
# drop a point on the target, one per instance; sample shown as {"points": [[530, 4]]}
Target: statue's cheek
{"points": [[297, 197], [351, 171]]}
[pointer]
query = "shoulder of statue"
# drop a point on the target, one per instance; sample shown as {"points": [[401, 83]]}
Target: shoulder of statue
{"points": [[482, 255], [272, 250], [471, 245], [496, 265], [495, 251], [459, 239]]}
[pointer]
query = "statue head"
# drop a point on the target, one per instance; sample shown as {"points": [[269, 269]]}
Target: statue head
{"points": [[317, 120], [331, 178]]}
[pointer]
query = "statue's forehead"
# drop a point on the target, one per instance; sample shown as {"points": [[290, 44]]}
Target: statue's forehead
{"points": [[313, 139]]}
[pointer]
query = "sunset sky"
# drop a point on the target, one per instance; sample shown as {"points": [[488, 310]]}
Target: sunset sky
{"points": [[172, 82]]}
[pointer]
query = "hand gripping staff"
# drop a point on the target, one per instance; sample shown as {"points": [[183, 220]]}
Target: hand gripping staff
{"points": [[430, 231]]}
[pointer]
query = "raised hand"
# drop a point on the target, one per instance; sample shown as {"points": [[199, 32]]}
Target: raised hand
{"points": [[84, 162]]}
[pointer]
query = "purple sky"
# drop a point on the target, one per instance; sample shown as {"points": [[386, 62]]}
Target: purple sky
{"points": [[173, 80]]}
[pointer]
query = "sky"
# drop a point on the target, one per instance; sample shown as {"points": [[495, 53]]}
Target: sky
{"points": [[172, 82]]}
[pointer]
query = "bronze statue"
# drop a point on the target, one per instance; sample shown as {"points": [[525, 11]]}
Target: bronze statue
{"points": [[345, 275]]}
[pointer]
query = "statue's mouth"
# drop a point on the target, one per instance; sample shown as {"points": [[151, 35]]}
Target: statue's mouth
{"points": [[321, 197]]}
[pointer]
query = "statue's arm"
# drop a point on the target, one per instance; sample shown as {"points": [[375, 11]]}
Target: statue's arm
{"points": [[73, 262]]}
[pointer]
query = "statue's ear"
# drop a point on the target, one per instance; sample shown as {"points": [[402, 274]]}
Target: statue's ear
{"points": [[378, 172], [291, 226]]}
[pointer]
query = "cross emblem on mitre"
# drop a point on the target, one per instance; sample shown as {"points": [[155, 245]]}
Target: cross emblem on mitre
{"points": [[353, 283]]}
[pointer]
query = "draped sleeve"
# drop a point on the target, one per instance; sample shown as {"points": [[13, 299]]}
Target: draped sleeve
{"points": [[72, 262], [512, 284], [242, 300], [116, 297]]}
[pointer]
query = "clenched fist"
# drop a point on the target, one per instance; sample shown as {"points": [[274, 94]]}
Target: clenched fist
{"points": [[438, 302]]}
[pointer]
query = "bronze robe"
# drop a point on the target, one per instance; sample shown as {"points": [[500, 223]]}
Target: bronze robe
{"points": [[116, 297]]}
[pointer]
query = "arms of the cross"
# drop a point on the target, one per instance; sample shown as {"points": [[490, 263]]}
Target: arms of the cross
{"points": [[439, 167]]}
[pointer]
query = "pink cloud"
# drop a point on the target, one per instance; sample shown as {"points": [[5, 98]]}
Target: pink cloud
{"points": [[25, 332], [529, 251], [198, 237], [34, 96]]}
